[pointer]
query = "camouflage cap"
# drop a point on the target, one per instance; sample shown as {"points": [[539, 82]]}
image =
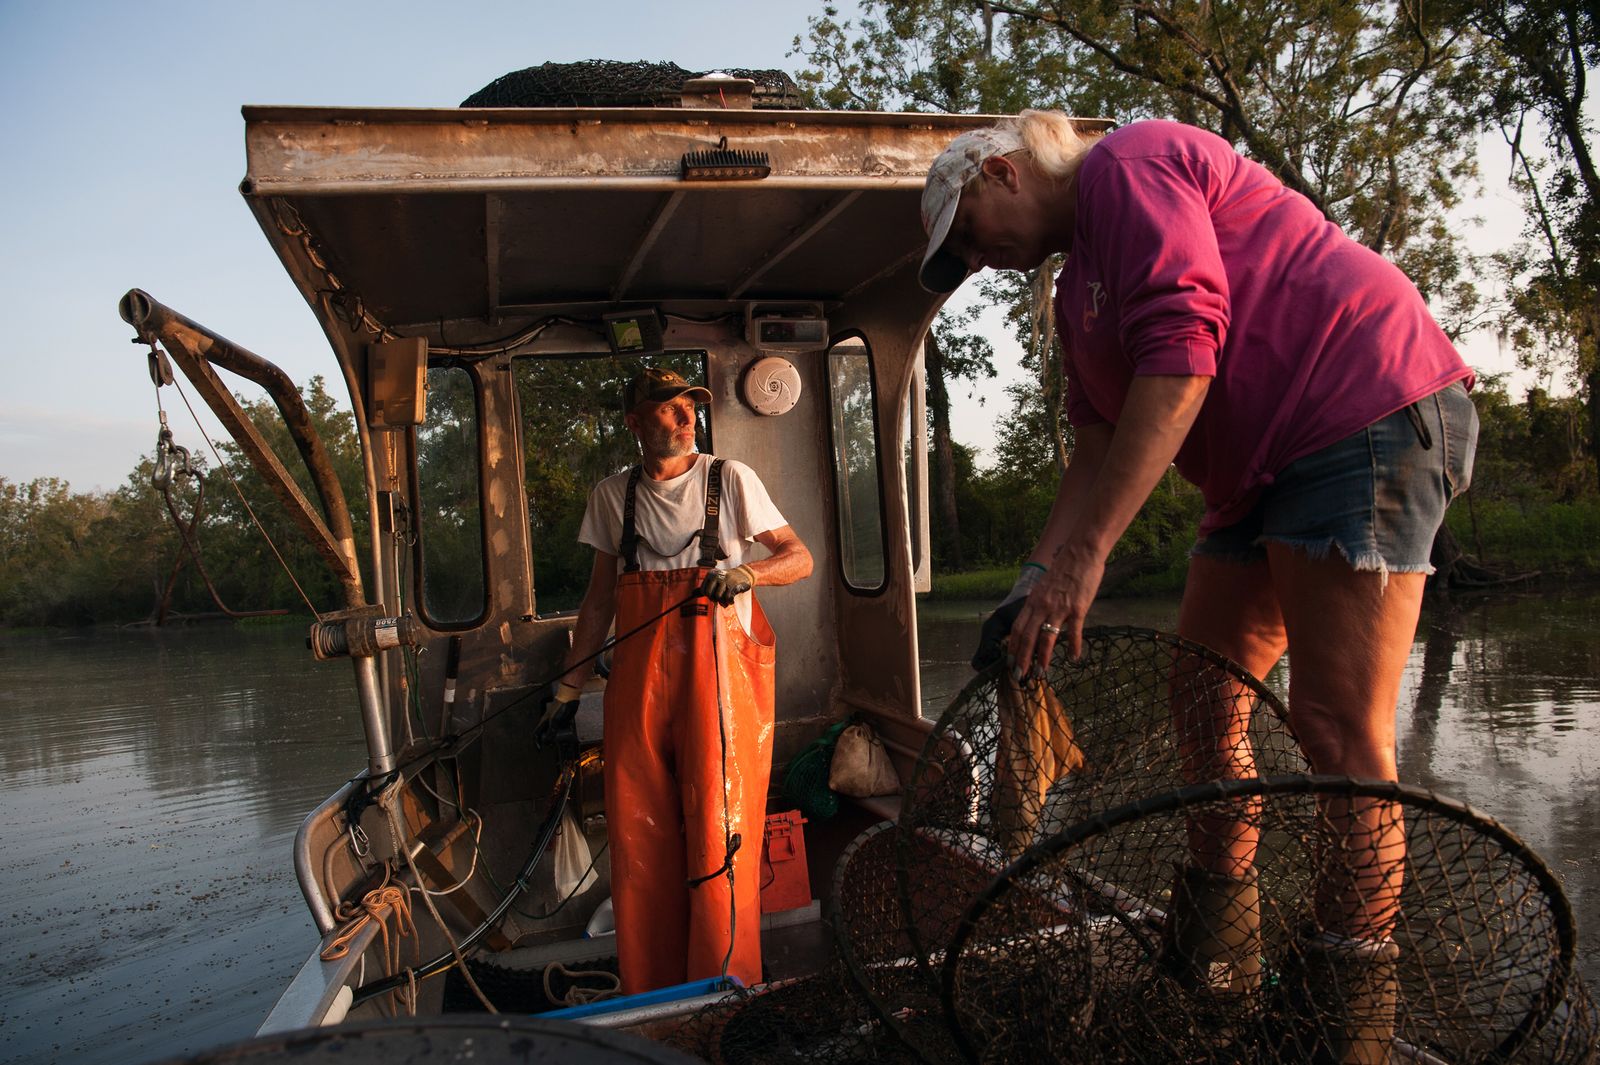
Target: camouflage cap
{"points": [[658, 386]]}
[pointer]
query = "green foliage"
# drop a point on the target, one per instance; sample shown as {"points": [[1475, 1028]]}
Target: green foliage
{"points": [[1370, 109], [954, 351], [1532, 504], [1533, 89], [448, 521], [968, 354], [235, 545], [1522, 535], [1529, 452], [1345, 102], [987, 584], [72, 558]]}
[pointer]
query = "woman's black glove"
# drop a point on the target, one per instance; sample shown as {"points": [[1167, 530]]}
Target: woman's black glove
{"points": [[558, 715], [997, 626]]}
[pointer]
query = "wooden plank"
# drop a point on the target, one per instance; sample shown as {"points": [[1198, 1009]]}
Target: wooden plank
{"points": [[434, 833]]}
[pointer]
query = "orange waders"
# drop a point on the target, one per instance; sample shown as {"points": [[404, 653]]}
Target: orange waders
{"points": [[688, 753]]}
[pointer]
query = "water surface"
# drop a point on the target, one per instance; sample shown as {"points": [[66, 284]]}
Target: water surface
{"points": [[150, 787], [151, 783]]}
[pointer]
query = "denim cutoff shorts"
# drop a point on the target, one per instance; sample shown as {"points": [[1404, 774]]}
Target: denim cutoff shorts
{"points": [[1378, 495]]}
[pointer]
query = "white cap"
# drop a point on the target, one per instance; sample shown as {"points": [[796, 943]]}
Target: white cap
{"points": [[951, 172]]}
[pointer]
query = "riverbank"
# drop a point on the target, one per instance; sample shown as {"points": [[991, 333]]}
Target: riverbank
{"points": [[1530, 544], [993, 583]]}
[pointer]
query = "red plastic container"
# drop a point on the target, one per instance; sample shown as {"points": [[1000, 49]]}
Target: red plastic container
{"points": [[785, 879]]}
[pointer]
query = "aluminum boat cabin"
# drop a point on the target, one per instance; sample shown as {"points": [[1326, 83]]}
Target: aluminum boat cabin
{"points": [[487, 278]]}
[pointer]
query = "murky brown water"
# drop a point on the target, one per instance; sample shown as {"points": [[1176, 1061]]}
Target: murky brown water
{"points": [[150, 786]]}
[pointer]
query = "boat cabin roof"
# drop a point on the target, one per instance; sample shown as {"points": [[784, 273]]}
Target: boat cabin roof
{"points": [[454, 220]]}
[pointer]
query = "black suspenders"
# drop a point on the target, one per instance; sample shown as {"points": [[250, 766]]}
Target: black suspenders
{"points": [[630, 537], [710, 542], [710, 539]]}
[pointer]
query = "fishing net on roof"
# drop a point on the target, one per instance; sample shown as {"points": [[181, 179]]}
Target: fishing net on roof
{"points": [[1372, 919], [613, 83]]}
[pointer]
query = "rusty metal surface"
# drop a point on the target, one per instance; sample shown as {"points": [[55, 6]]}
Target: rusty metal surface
{"points": [[195, 348], [300, 150], [453, 220], [877, 634]]}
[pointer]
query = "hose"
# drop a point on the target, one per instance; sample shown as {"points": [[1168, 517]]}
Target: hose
{"points": [[547, 832]]}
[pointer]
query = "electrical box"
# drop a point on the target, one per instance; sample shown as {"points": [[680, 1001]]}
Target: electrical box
{"points": [[786, 327], [397, 382]]}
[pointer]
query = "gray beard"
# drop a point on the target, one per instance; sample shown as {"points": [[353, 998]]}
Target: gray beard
{"points": [[663, 445]]}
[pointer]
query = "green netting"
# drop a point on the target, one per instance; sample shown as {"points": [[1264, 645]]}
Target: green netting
{"points": [[805, 779]]}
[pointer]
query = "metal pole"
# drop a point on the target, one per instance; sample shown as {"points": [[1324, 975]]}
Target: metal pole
{"points": [[380, 757]]}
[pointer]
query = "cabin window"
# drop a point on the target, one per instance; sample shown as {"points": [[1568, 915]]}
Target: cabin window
{"points": [[573, 436], [857, 493], [449, 508]]}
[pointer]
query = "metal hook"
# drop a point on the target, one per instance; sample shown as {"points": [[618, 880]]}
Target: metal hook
{"points": [[359, 842], [161, 475], [184, 467], [172, 460]]}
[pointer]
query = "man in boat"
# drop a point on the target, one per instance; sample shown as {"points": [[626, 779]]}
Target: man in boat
{"points": [[689, 701]]}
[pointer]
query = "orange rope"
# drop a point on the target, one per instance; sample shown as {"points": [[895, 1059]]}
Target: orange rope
{"points": [[376, 905]]}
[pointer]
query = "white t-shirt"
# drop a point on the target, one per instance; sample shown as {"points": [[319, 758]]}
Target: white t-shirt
{"points": [[667, 515]]}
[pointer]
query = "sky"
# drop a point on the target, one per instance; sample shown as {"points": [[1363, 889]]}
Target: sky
{"points": [[122, 147]]}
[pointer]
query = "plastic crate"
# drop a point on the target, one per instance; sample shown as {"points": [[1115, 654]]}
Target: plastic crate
{"points": [[785, 878]]}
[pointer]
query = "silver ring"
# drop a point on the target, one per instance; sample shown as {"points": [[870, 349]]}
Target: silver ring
{"points": [[1051, 629]]}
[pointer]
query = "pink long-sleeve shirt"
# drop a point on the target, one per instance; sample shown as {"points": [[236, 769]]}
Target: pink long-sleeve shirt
{"points": [[1189, 259]]}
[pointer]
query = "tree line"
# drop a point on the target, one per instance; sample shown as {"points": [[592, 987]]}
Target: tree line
{"points": [[73, 558]]}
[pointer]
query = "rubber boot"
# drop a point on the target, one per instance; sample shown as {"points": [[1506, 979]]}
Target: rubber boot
{"points": [[1212, 939], [1342, 996]]}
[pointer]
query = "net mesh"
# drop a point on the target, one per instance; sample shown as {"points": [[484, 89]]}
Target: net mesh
{"points": [[875, 950], [1138, 711], [613, 83], [1366, 912]]}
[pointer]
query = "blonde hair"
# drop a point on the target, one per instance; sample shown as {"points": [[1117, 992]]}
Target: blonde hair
{"points": [[1054, 141]]}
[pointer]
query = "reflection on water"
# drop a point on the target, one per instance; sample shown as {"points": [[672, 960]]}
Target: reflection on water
{"points": [[150, 785], [1501, 708]]}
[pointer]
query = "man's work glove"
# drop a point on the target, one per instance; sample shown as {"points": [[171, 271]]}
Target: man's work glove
{"points": [[997, 626], [722, 585], [558, 714]]}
